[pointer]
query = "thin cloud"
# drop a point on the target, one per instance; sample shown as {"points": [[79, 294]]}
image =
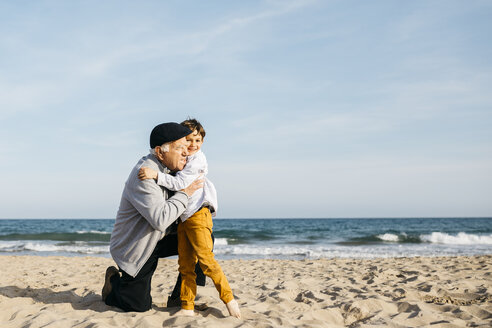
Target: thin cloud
{"points": [[188, 44]]}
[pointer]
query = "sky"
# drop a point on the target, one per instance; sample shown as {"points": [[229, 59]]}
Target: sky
{"points": [[313, 109]]}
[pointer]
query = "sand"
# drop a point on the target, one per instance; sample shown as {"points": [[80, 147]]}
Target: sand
{"points": [[396, 292]]}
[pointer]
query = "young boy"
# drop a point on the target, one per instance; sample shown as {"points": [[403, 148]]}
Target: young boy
{"points": [[194, 232]]}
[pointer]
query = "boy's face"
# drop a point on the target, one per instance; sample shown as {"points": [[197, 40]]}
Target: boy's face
{"points": [[195, 142]]}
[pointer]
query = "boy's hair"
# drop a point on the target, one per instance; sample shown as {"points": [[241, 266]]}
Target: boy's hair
{"points": [[194, 125]]}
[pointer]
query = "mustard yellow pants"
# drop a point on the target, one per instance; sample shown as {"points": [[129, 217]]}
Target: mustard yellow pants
{"points": [[195, 243]]}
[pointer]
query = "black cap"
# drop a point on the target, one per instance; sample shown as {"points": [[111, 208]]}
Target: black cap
{"points": [[167, 132]]}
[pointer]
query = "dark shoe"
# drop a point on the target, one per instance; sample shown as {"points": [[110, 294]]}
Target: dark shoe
{"points": [[173, 302], [110, 271]]}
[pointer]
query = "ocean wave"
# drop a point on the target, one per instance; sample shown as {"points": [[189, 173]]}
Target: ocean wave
{"points": [[389, 237], [87, 236], [401, 238], [75, 247], [381, 250], [334, 251], [94, 232], [317, 252], [35, 246], [220, 242], [224, 250], [461, 238]]}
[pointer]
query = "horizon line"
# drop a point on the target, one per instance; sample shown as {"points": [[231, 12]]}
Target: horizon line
{"points": [[287, 218]]}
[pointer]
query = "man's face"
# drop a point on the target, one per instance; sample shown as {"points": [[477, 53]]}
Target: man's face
{"points": [[175, 158]]}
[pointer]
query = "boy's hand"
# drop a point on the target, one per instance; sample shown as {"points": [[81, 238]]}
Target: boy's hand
{"points": [[197, 184], [146, 173]]}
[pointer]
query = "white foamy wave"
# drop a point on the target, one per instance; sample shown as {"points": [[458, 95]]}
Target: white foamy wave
{"points": [[308, 252], [258, 250], [220, 242], [461, 238], [388, 237], [11, 246], [94, 232], [34, 246], [387, 250], [77, 248]]}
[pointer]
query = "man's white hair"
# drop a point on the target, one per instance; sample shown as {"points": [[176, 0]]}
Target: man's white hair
{"points": [[164, 148]]}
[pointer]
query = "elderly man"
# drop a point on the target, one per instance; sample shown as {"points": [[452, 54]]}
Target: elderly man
{"points": [[144, 224]]}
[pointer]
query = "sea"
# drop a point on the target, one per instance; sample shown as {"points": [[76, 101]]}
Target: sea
{"points": [[270, 238]]}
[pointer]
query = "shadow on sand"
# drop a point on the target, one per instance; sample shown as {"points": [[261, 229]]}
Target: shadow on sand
{"points": [[91, 301]]}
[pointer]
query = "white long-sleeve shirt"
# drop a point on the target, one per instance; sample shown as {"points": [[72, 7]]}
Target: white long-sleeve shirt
{"points": [[196, 166]]}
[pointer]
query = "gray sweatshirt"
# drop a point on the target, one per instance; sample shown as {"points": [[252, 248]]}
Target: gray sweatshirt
{"points": [[144, 215]]}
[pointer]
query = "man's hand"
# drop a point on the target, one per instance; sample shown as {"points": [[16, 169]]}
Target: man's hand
{"points": [[197, 184], [146, 173]]}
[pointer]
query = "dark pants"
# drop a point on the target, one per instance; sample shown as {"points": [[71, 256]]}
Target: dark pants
{"points": [[133, 294]]}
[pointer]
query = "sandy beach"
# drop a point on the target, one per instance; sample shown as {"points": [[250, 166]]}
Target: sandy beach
{"points": [[396, 292]]}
